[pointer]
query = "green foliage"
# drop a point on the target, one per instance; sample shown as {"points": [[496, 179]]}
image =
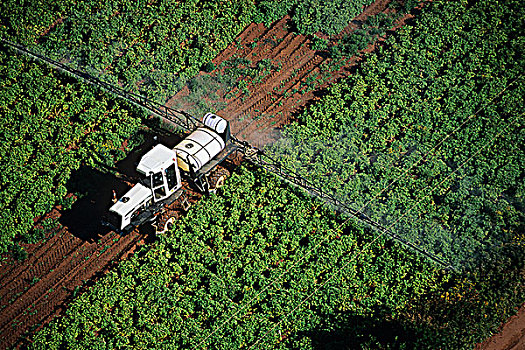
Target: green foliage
{"points": [[151, 47], [351, 44], [329, 17], [259, 247], [311, 16], [359, 39], [269, 11], [371, 139], [319, 43], [50, 125], [26, 20], [209, 67], [409, 5], [18, 252]]}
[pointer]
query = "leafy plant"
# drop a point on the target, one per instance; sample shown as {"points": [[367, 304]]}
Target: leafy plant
{"points": [[50, 126], [329, 17], [372, 140], [319, 44]]}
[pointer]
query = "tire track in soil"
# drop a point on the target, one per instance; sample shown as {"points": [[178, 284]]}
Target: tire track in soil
{"points": [[30, 248], [63, 289], [34, 265], [271, 36], [260, 92], [61, 264], [34, 255], [56, 274], [35, 270]]}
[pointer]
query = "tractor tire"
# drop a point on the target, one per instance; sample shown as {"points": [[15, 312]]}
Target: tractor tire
{"points": [[165, 222], [217, 178]]}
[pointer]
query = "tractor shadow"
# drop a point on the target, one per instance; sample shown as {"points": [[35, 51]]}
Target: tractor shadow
{"points": [[94, 188]]}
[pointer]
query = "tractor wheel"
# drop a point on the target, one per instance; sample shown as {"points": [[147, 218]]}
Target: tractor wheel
{"points": [[217, 178], [170, 223], [220, 182], [165, 222]]}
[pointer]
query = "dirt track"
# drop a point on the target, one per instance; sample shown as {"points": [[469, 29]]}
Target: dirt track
{"points": [[511, 335], [301, 75], [35, 290]]}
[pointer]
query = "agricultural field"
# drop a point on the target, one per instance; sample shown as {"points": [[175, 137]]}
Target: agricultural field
{"points": [[262, 265], [431, 124], [152, 46], [411, 113], [51, 125]]}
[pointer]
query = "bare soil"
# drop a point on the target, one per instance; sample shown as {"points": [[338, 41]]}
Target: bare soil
{"points": [[35, 290], [299, 75], [511, 335]]}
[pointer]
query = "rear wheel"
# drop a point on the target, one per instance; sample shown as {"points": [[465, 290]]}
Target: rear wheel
{"points": [[170, 223], [165, 222], [217, 178]]}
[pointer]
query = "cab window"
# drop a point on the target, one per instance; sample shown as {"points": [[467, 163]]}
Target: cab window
{"points": [[157, 179], [171, 177]]}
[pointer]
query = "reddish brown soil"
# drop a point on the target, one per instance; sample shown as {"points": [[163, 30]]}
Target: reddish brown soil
{"points": [[285, 91], [33, 291], [511, 335]]}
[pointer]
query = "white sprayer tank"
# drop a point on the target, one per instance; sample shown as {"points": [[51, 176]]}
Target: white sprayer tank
{"points": [[215, 122], [198, 149]]}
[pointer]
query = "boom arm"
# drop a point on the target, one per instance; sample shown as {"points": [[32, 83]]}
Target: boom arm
{"points": [[256, 156]]}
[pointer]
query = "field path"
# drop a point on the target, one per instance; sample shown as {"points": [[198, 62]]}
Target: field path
{"points": [[35, 290], [298, 77], [511, 335]]}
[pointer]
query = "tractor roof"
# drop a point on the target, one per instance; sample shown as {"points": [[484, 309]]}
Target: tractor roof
{"points": [[160, 157]]}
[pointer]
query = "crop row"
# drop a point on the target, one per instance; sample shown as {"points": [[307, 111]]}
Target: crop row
{"points": [[50, 126], [425, 136]]}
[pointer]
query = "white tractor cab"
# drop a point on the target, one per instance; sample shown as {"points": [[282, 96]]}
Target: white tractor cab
{"points": [[196, 156]]}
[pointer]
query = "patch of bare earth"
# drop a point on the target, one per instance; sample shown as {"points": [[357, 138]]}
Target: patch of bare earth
{"points": [[511, 335], [35, 290], [298, 75]]}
